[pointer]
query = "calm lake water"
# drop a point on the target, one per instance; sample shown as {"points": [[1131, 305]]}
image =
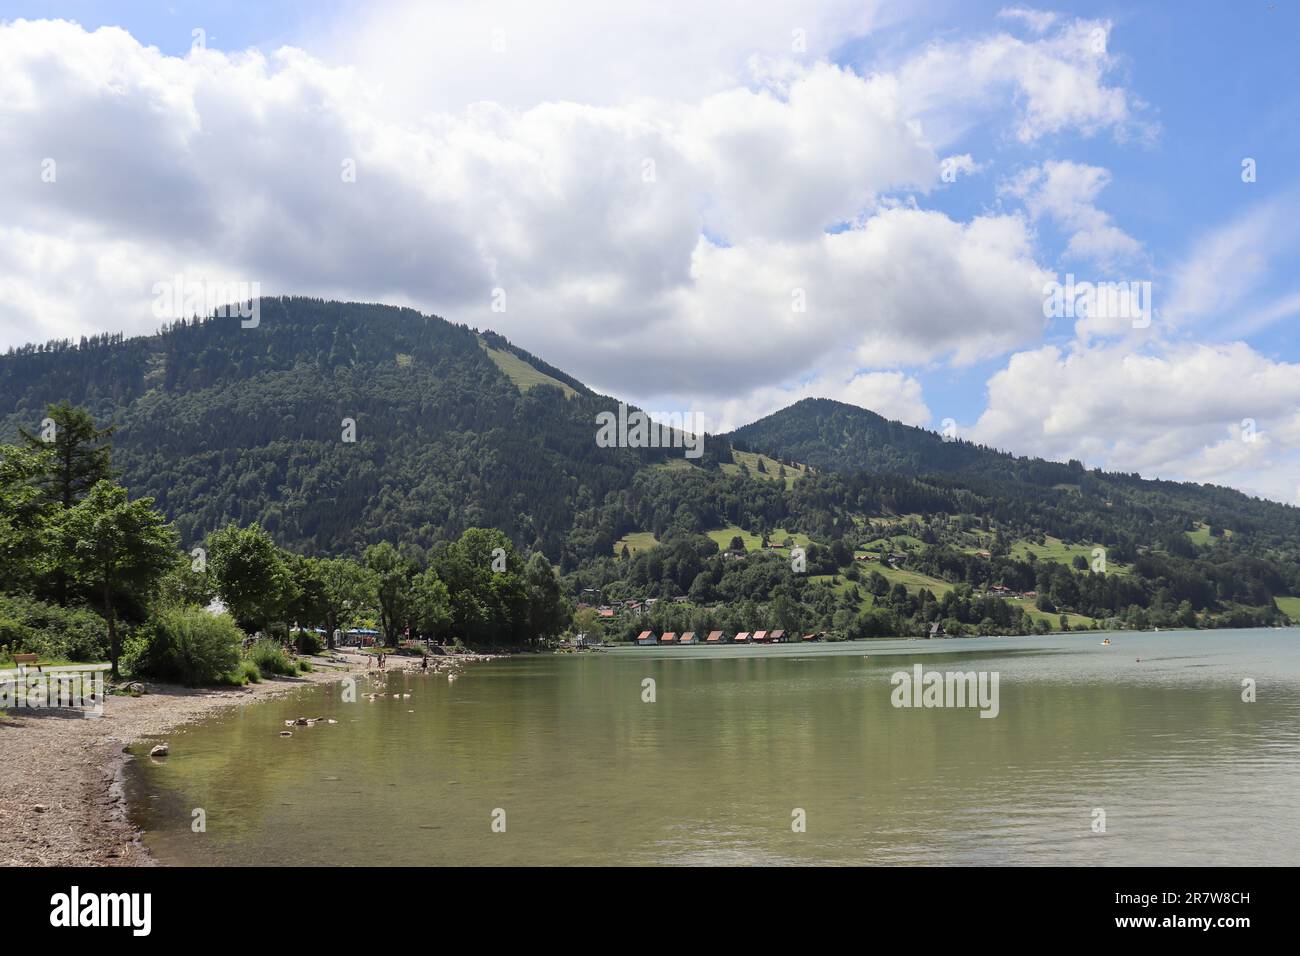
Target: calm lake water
{"points": [[738, 738]]}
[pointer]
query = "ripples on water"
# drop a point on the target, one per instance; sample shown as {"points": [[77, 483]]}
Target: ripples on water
{"points": [[738, 738]]}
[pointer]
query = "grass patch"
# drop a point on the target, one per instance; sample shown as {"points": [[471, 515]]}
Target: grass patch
{"points": [[1054, 619], [674, 464], [771, 467], [754, 542], [1290, 606], [636, 541], [522, 374], [912, 580], [1057, 551]]}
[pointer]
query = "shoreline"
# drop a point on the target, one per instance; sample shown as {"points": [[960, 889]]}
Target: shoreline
{"points": [[64, 803]]}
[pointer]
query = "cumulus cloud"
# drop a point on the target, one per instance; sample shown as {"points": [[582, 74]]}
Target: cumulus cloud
{"points": [[1066, 193], [1059, 80], [1221, 413], [691, 236], [724, 220], [436, 57]]}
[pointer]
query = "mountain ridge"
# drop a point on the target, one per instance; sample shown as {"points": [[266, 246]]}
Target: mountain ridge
{"points": [[222, 423]]}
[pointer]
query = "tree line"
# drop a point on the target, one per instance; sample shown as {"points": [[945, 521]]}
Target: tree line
{"points": [[76, 548]]}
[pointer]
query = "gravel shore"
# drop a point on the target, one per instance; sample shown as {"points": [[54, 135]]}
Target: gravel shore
{"points": [[61, 794]]}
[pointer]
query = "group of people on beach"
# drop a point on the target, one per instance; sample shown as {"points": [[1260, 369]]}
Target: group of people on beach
{"points": [[424, 661]]}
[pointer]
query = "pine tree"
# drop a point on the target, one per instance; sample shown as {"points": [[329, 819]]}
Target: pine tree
{"points": [[80, 457]]}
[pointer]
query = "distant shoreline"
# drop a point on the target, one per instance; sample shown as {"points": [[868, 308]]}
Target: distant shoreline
{"points": [[957, 638]]}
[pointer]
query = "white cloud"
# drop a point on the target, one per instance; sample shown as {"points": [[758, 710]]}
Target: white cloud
{"points": [[1220, 279], [1059, 82], [1172, 414], [439, 56], [1036, 20], [604, 266], [1066, 193]]}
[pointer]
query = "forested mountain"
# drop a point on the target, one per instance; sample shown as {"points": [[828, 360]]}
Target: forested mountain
{"points": [[220, 422], [834, 436], [457, 428]]}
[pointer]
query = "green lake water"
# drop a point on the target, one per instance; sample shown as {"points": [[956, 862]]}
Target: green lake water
{"points": [[738, 739]]}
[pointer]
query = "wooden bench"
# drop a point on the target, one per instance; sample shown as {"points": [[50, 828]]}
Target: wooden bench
{"points": [[22, 660]]}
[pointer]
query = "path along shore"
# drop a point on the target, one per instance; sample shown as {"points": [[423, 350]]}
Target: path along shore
{"points": [[62, 801]]}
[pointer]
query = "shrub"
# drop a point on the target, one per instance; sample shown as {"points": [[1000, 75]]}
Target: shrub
{"points": [[249, 672], [305, 666], [245, 673], [28, 626], [309, 642], [271, 658], [187, 645]]}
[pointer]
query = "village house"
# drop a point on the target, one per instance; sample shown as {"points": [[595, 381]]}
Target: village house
{"points": [[646, 639], [715, 637], [688, 638], [741, 638], [669, 637]]}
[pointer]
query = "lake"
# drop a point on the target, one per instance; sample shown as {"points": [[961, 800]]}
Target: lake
{"points": [[741, 745]]}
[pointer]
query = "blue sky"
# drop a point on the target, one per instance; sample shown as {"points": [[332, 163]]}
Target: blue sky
{"points": [[650, 184]]}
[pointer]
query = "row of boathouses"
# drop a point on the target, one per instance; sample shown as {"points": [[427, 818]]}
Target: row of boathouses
{"points": [[714, 638]]}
